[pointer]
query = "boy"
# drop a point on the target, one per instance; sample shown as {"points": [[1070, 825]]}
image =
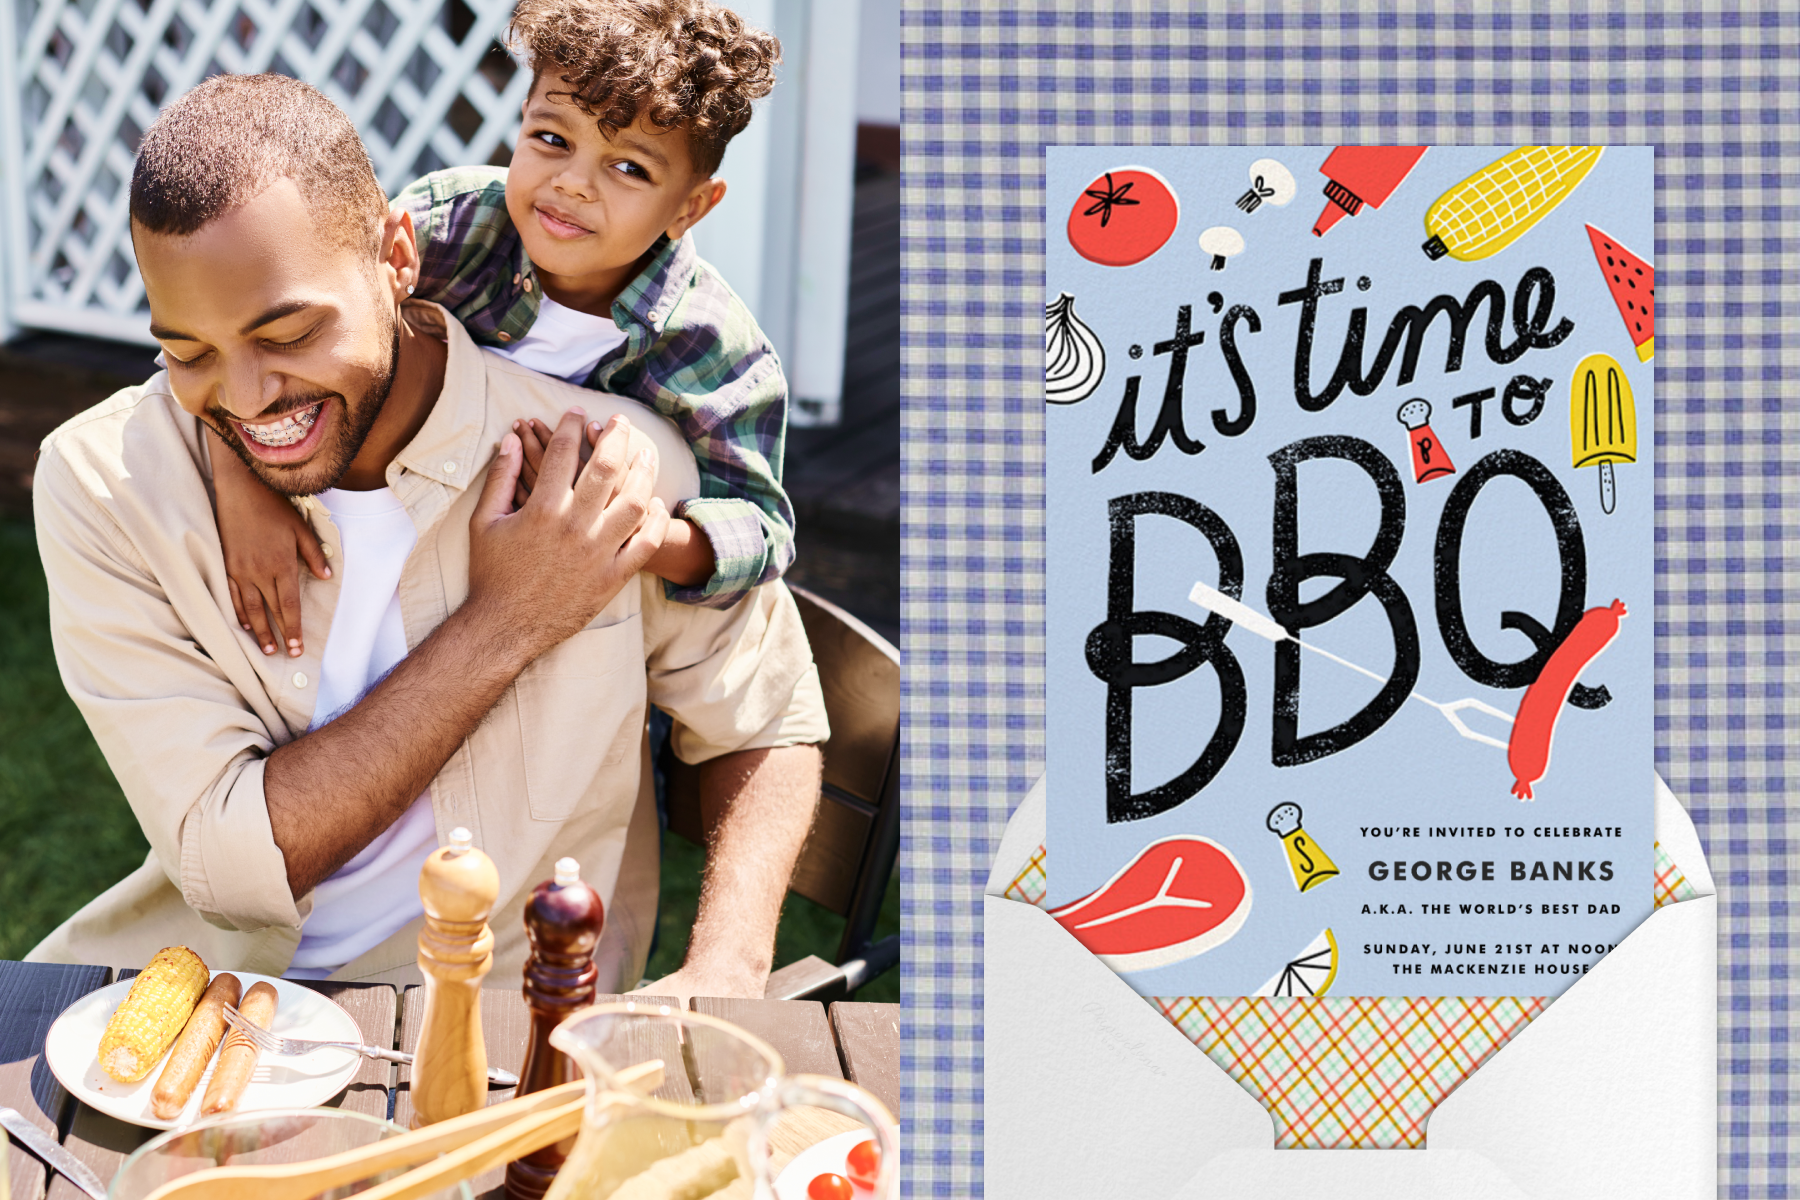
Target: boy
{"points": [[575, 262]]}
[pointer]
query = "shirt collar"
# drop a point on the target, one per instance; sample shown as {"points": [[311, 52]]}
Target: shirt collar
{"points": [[448, 447], [649, 299]]}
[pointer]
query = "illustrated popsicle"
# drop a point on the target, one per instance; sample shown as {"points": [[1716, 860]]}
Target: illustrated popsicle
{"points": [[1359, 175], [1309, 863], [1602, 420], [1632, 282], [1491, 209]]}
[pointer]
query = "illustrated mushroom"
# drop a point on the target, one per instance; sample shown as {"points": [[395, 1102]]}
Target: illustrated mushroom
{"points": [[1221, 241], [1270, 181]]}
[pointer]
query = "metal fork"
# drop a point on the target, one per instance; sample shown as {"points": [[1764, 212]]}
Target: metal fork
{"points": [[282, 1047]]}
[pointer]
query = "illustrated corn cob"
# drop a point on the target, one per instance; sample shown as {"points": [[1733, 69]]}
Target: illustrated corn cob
{"points": [[160, 1002], [1489, 210]]}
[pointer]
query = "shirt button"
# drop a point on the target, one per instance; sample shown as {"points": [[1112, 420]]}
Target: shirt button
{"points": [[299, 679], [450, 467], [515, 279], [528, 285], [655, 315], [505, 337], [325, 547]]}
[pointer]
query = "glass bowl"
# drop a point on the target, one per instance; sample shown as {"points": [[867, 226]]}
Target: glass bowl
{"points": [[266, 1137]]}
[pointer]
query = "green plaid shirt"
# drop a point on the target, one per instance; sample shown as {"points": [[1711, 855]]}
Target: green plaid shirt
{"points": [[692, 352]]}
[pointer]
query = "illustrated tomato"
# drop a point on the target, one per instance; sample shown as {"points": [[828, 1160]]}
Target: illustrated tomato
{"points": [[829, 1187], [1123, 217], [864, 1164]]}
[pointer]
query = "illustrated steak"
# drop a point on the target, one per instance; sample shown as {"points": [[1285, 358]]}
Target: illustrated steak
{"points": [[1178, 898]]}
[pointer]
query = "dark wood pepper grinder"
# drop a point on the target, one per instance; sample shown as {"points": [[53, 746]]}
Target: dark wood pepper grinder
{"points": [[562, 921]]}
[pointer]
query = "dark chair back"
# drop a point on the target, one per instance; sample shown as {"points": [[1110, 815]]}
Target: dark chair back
{"points": [[849, 856]]}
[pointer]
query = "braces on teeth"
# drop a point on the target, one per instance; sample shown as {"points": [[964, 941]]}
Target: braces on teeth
{"points": [[286, 432]]}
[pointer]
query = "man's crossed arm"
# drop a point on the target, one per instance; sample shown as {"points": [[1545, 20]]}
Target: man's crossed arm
{"points": [[536, 576]]}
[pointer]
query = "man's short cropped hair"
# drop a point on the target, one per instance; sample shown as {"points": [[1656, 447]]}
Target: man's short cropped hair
{"points": [[677, 63], [224, 143]]}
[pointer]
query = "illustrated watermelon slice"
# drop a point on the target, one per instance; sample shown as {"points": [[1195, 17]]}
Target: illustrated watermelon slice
{"points": [[1177, 898], [1633, 285]]}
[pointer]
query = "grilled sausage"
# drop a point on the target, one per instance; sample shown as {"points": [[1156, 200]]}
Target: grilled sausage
{"points": [[194, 1048], [237, 1059]]}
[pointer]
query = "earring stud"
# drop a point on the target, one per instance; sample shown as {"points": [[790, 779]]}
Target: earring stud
{"points": [[409, 289]]}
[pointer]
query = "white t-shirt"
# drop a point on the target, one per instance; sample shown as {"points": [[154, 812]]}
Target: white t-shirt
{"points": [[375, 894], [564, 342]]}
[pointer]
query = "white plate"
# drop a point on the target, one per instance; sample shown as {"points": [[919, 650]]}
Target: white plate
{"points": [[828, 1156], [71, 1049]]}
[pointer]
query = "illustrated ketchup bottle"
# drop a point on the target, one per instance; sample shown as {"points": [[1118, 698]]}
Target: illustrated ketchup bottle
{"points": [[1429, 458], [1359, 175], [563, 920]]}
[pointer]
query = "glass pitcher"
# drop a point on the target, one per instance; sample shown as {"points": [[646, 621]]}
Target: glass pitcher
{"points": [[724, 1112]]}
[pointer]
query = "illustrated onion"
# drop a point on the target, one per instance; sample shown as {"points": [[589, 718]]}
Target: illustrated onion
{"points": [[1074, 359]]}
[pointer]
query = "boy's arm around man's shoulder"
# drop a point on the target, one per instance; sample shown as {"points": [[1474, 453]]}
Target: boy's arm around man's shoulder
{"points": [[720, 380], [468, 249]]}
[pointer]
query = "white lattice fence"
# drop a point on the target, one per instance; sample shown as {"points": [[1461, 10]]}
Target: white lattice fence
{"points": [[424, 80]]}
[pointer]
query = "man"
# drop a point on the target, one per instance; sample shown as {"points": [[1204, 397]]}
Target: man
{"points": [[497, 673]]}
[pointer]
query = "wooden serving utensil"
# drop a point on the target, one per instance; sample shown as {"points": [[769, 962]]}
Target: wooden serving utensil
{"points": [[469, 1145]]}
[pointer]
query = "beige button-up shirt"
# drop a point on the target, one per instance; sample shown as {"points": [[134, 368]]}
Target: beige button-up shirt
{"points": [[187, 708]]}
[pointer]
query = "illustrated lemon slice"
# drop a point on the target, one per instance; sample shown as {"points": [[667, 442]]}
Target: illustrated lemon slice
{"points": [[1310, 973]]}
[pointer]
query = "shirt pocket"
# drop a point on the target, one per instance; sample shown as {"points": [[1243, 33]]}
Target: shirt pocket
{"points": [[581, 711]]}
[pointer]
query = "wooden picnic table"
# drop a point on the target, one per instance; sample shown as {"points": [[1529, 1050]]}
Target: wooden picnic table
{"points": [[859, 1042]]}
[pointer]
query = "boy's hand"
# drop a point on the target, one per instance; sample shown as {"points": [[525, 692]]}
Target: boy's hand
{"points": [[264, 541], [685, 558], [534, 440]]}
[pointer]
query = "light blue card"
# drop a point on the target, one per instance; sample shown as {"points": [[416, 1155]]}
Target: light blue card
{"points": [[1398, 741]]}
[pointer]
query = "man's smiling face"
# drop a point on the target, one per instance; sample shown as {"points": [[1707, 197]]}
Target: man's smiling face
{"points": [[277, 335]]}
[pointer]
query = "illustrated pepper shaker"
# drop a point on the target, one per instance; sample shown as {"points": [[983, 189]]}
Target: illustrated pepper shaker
{"points": [[1429, 458], [1310, 864]]}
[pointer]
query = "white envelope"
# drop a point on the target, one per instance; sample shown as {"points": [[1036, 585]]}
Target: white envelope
{"points": [[1612, 1091]]}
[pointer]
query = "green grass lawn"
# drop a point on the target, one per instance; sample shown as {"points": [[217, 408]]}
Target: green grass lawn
{"points": [[67, 834], [66, 831]]}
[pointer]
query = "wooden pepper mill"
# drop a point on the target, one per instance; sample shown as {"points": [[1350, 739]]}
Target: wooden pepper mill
{"points": [[562, 921], [458, 886]]}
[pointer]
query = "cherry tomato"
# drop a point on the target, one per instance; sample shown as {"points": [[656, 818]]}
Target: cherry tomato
{"points": [[1123, 217], [829, 1187], [864, 1164]]}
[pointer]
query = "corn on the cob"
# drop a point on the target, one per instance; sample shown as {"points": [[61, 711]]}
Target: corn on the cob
{"points": [[1487, 212], [160, 1002]]}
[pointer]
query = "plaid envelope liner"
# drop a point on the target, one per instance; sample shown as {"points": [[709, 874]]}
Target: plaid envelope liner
{"points": [[1350, 1072]]}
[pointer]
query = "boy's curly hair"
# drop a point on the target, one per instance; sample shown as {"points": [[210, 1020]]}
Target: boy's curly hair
{"points": [[676, 63]]}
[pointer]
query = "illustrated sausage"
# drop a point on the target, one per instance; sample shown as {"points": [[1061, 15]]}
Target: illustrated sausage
{"points": [[194, 1048], [1528, 752], [237, 1059]]}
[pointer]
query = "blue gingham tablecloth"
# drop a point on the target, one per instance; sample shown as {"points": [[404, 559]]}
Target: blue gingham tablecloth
{"points": [[1714, 87]]}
